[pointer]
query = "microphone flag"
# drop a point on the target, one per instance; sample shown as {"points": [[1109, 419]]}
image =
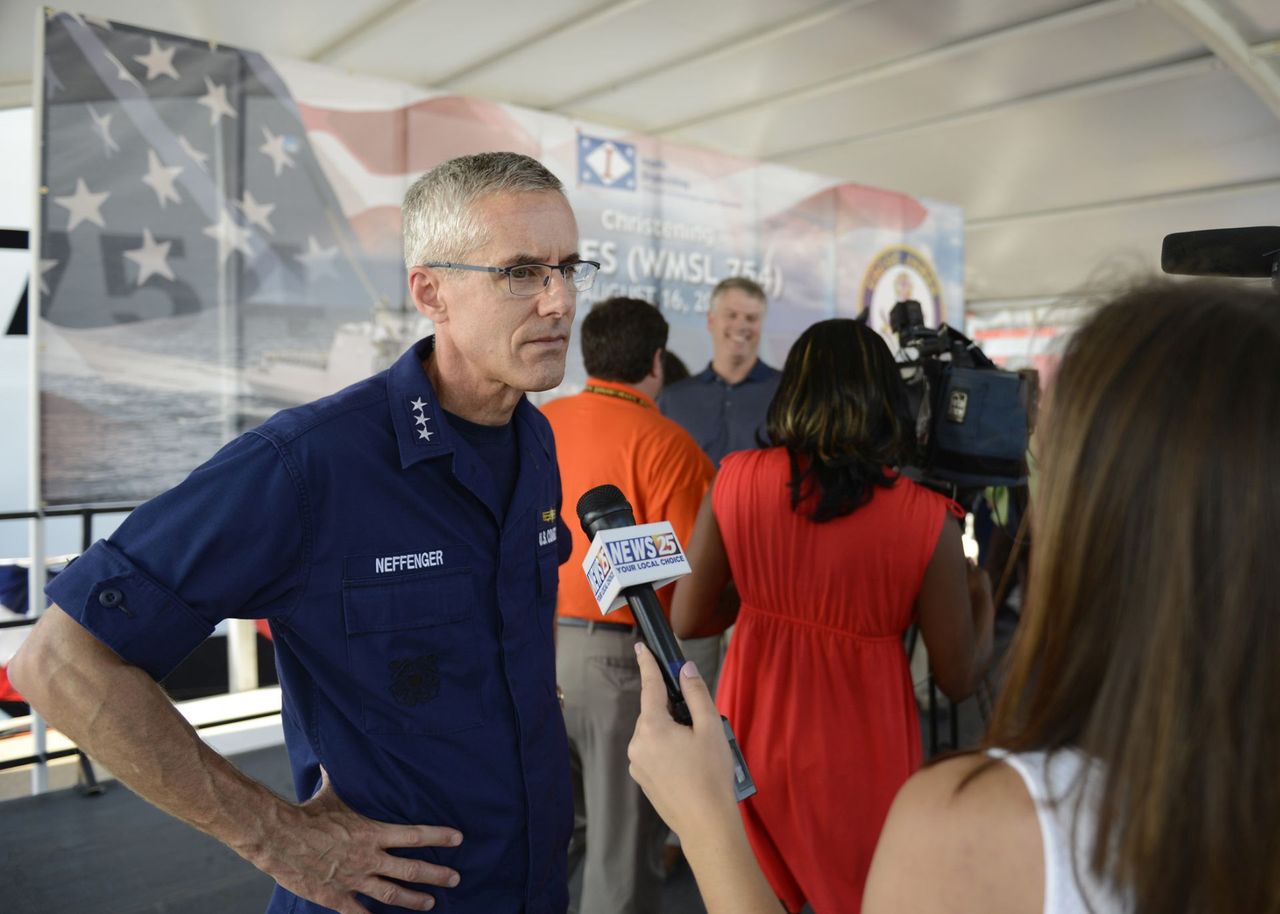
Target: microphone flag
{"points": [[622, 557]]}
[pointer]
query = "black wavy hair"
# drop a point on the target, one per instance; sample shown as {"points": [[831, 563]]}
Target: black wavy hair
{"points": [[841, 412]]}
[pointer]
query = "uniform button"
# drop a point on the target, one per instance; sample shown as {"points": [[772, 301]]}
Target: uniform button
{"points": [[112, 598]]}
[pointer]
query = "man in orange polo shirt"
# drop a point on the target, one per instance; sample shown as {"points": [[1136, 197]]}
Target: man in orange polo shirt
{"points": [[612, 432]]}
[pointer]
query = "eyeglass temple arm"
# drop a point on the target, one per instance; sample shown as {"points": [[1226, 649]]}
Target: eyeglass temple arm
{"points": [[443, 265]]}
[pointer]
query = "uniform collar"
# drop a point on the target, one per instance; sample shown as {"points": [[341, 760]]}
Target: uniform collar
{"points": [[625, 389], [759, 372], [422, 430]]}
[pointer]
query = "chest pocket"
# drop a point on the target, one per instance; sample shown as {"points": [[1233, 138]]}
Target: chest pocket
{"points": [[548, 569], [548, 572], [416, 651]]}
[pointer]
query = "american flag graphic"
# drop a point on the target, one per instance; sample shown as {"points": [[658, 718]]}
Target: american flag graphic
{"points": [[197, 269], [212, 249], [178, 177]]}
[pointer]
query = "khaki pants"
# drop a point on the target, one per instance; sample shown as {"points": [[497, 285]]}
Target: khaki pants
{"points": [[708, 654], [617, 835]]}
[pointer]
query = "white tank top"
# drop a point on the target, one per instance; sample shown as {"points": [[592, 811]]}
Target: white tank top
{"points": [[1067, 828]]}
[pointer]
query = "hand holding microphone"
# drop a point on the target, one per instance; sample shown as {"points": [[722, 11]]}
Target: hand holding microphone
{"points": [[605, 508], [686, 772]]}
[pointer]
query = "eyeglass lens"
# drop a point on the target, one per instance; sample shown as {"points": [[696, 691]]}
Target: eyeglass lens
{"points": [[531, 279]]}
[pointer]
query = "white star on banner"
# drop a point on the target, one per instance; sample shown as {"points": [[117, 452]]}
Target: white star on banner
{"points": [[102, 124], [422, 420], [83, 206], [216, 101], [418, 403], [122, 72], [158, 61], [423, 433], [196, 155], [151, 258], [45, 267], [230, 235], [318, 260], [160, 178], [257, 213], [274, 150]]}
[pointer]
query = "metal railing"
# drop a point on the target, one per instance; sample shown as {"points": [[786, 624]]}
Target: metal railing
{"points": [[87, 779], [86, 513]]}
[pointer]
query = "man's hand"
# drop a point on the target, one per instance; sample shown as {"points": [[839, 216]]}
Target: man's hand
{"points": [[321, 850], [326, 852]]}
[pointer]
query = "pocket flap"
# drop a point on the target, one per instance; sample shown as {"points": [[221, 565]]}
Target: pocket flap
{"points": [[409, 601]]}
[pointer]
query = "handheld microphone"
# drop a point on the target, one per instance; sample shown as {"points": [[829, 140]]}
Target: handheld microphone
{"points": [[606, 508]]}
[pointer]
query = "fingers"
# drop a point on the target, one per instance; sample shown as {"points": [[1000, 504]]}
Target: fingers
{"points": [[702, 707], [419, 872], [653, 692], [382, 835], [357, 857], [418, 836], [397, 896]]}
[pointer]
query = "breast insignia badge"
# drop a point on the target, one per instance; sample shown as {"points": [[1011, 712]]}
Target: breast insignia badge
{"points": [[415, 681]]}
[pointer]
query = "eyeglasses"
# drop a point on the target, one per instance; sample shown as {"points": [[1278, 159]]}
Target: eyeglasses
{"points": [[527, 279]]}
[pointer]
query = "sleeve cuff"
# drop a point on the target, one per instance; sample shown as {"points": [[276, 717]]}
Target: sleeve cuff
{"points": [[143, 622]]}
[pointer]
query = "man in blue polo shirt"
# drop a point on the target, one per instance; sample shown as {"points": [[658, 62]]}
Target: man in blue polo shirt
{"points": [[724, 406], [403, 536]]}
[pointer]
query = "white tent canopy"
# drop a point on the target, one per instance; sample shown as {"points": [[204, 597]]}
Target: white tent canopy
{"points": [[1074, 135]]}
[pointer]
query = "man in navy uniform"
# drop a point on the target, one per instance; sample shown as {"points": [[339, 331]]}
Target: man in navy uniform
{"points": [[403, 537]]}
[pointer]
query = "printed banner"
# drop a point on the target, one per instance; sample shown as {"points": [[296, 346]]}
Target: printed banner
{"points": [[220, 237]]}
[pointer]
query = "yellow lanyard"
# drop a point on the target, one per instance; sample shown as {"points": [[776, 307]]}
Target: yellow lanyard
{"points": [[620, 394]]}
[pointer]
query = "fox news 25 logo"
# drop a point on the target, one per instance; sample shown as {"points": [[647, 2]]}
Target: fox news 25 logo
{"points": [[599, 573], [642, 548]]}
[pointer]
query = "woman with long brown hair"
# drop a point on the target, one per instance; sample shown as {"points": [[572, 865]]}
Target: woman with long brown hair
{"points": [[833, 555], [1131, 762]]}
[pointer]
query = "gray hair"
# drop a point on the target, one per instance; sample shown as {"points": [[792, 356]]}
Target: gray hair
{"points": [[437, 210], [742, 284]]}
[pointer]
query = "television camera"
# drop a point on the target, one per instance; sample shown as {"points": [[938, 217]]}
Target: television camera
{"points": [[972, 417]]}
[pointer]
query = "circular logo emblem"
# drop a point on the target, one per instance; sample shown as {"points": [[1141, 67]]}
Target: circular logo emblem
{"points": [[899, 273]]}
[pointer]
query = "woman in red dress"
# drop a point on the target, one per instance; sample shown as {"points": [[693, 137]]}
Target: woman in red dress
{"points": [[832, 556]]}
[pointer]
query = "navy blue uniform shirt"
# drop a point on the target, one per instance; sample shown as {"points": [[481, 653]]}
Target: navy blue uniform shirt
{"points": [[722, 417], [412, 618]]}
